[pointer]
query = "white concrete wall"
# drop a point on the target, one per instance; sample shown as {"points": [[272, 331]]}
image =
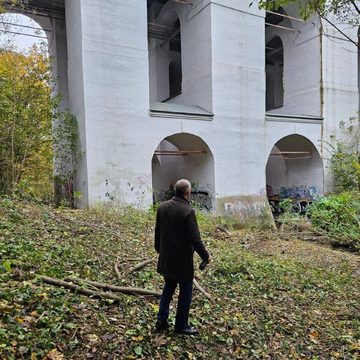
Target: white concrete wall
{"points": [[223, 59], [238, 67], [302, 65], [196, 56], [341, 92], [116, 101]]}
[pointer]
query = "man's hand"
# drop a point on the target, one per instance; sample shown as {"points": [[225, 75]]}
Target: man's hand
{"points": [[210, 259]]}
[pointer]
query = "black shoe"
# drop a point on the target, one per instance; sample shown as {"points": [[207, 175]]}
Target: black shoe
{"points": [[161, 325], [187, 331]]}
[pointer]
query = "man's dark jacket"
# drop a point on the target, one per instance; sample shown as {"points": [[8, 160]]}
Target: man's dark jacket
{"points": [[176, 237]]}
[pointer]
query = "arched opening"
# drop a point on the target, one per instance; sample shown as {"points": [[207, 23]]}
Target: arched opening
{"points": [[20, 32], [165, 57], [26, 154], [186, 156], [274, 74], [295, 171]]}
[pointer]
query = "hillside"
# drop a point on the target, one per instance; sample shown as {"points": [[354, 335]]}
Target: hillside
{"points": [[274, 295]]}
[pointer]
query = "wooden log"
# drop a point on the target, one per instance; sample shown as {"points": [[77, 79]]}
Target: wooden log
{"points": [[116, 267], [79, 289], [202, 290], [140, 265], [122, 289]]}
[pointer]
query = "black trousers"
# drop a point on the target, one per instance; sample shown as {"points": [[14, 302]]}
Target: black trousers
{"points": [[183, 306]]}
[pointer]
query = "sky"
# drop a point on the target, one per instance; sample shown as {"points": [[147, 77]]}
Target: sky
{"points": [[21, 42]]}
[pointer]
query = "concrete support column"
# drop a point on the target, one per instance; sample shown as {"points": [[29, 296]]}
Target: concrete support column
{"points": [[109, 91], [74, 27], [62, 160], [238, 68]]}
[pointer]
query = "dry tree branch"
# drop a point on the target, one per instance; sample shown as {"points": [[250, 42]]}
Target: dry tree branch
{"points": [[122, 289], [202, 290]]}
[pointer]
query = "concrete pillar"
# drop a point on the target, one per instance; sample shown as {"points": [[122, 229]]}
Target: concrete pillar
{"points": [[340, 86], [109, 92], [74, 26], [238, 83], [63, 157]]}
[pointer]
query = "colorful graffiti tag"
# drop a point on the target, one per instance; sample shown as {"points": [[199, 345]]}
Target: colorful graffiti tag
{"points": [[298, 192], [301, 196]]}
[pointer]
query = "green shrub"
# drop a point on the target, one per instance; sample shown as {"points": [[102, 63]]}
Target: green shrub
{"points": [[339, 217], [345, 157]]}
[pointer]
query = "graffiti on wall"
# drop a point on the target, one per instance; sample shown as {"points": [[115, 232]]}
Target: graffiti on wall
{"points": [[301, 196], [298, 192], [200, 196], [293, 192], [244, 208]]}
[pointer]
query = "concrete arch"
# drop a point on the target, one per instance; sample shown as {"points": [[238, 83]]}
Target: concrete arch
{"points": [[184, 155], [42, 22], [170, 13], [294, 169], [271, 31]]}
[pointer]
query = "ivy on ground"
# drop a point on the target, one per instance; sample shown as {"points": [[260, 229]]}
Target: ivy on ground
{"points": [[274, 296]]}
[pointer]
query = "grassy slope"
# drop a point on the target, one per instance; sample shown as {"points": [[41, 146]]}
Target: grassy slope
{"points": [[276, 297]]}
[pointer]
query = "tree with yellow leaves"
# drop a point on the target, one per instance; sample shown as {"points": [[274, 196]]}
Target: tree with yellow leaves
{"points": [[26, 110]]}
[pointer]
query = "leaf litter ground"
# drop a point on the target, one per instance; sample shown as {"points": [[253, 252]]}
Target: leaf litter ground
{"points": [[275, 296]]}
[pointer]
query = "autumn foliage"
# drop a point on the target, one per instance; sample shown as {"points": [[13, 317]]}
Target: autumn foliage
{"points": [[25, 123]]}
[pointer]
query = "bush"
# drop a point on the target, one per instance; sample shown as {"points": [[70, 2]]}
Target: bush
{"points": [[345, 159], [339, 217]]}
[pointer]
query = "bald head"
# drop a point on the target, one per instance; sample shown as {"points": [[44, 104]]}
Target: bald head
{"points": [[182, 188]]}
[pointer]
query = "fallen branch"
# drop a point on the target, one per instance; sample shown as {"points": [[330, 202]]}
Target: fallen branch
{"points": [[224, 230], [140, 265], [116, 267], [122, 289], [202, 290], [79, 289]]}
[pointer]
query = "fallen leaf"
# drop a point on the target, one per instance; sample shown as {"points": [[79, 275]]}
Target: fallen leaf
{"points": [[160, 341], [54, 355], [200, 347], [313, 336], [137, 338], [155, 307], [92, 338], [43, 295], [107, 337], [19, 320], [138, 350]]}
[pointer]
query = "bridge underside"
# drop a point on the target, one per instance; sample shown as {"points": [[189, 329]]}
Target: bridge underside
{"points": [[50, 8]]}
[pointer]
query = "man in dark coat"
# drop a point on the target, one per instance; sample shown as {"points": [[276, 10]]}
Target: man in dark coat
{"points": [[177, 236]]}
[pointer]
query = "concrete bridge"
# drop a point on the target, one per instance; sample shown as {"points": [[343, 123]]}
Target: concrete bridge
{"points": [[237, 100]]}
